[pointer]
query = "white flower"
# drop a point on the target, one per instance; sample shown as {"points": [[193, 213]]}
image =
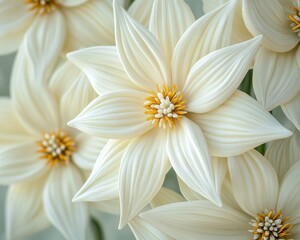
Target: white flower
{"points": [[261, 208], [43, 160], [170, 106]]}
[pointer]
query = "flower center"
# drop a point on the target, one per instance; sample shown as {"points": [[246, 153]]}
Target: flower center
{"points": [[165, 106], [270, 225], [295, 18], [41, 7], [56, 147]]}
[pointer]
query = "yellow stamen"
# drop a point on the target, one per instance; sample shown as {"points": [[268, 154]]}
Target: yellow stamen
{"points": [[41, 7]]}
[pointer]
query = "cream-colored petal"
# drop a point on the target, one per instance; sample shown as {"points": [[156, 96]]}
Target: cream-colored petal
{"points": [[69, 218], [238, 125], [275, 78], [118, 114], [254, 182], [215, 77], [270, 19], [169, 20], [20, 162], [140, 53], [188, 153], [141, 11], [210, 5], [71, 3], [102, 184], [298, 56], [109, 206], [142, 172], [187, 192], [199, 220], [292, 111], [103, 67], [25, 213], [89, 24], [166, 196], [210, 32], [289, 197]]}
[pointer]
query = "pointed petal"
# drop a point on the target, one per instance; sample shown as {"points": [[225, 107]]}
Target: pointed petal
{"points": [[207, 34], [254, 182], [169, 20], [238, 125], [103, 67], [199, 220], [271, 20], [25, 213], [142, 172], [102, 184], [215, 77], [187, 192], [188, 153], [69, 218], [139, 51], [117, 114], [275, 78], [71, 3], [166, 196], [292, 111], [141, 11]]}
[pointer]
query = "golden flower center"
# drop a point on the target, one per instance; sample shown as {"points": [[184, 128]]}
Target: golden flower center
{"points": [[295, 19], [165, 106], [56, 147], [270, 225], [41, 7]]}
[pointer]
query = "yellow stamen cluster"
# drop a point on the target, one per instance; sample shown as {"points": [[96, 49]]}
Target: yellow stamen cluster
{"points": [[41, 7], [165, 106], [270, 225], [295, 18], [56, 147]]}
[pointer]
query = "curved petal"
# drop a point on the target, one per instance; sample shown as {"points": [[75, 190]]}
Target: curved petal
{"points": [[169, 20], [187, 192], [117, 114], [69, 218], [166, 196], [289, 197], [254, 182], [210, 5], [141, 11], [188, 153], [269, 18], [215, 77], [109, 206], [20, 163], [292, 111], [71, 3], [102, 184], [25, 213], [238, 125], [275, 78], [143, 168], [199, 220], [103, 67], [139, 51], [207, 34]]}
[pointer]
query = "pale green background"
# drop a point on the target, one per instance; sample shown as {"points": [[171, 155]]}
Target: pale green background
{"points": [[109, 222]]}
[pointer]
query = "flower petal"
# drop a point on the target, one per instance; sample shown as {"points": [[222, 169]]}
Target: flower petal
{"points": [[71, 3], [292, 111], [166, 196], [69, 218], [238, 125], [103, 68], [141, 11], [142, 173], [215, 77], [269, 18], [117, 114], [139, 51], [254, 182], [109, 206], [275, 78], [199, 220], [210, 5], [25, 213], [188, 153]]}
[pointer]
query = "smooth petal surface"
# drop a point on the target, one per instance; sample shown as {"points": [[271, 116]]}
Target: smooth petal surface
{"points": [[109, 206], [169, 20], [275, 78], [25, 213], [210, 5], [141, 11], [199, 220], [215, 77], [270, 19], [118, 114], [292, 111], [103, 68], [166, 196], [207, 34], [142, 173], [254, 182], [139, 51], [69, 218], [71, 3], [238, 125], [187, 192], [188, 153]]}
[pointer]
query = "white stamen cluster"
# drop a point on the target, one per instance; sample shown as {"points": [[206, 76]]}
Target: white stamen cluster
{"points": [[51, 144], [165, 108]]}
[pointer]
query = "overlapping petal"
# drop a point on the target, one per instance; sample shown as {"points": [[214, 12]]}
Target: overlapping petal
{"points": [[292, 111], [71, 3], [141, 11], [166, 196]]}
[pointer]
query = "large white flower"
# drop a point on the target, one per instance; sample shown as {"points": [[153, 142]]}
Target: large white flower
{"points": [[43, 160], [174, 98], [260, 207]]}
